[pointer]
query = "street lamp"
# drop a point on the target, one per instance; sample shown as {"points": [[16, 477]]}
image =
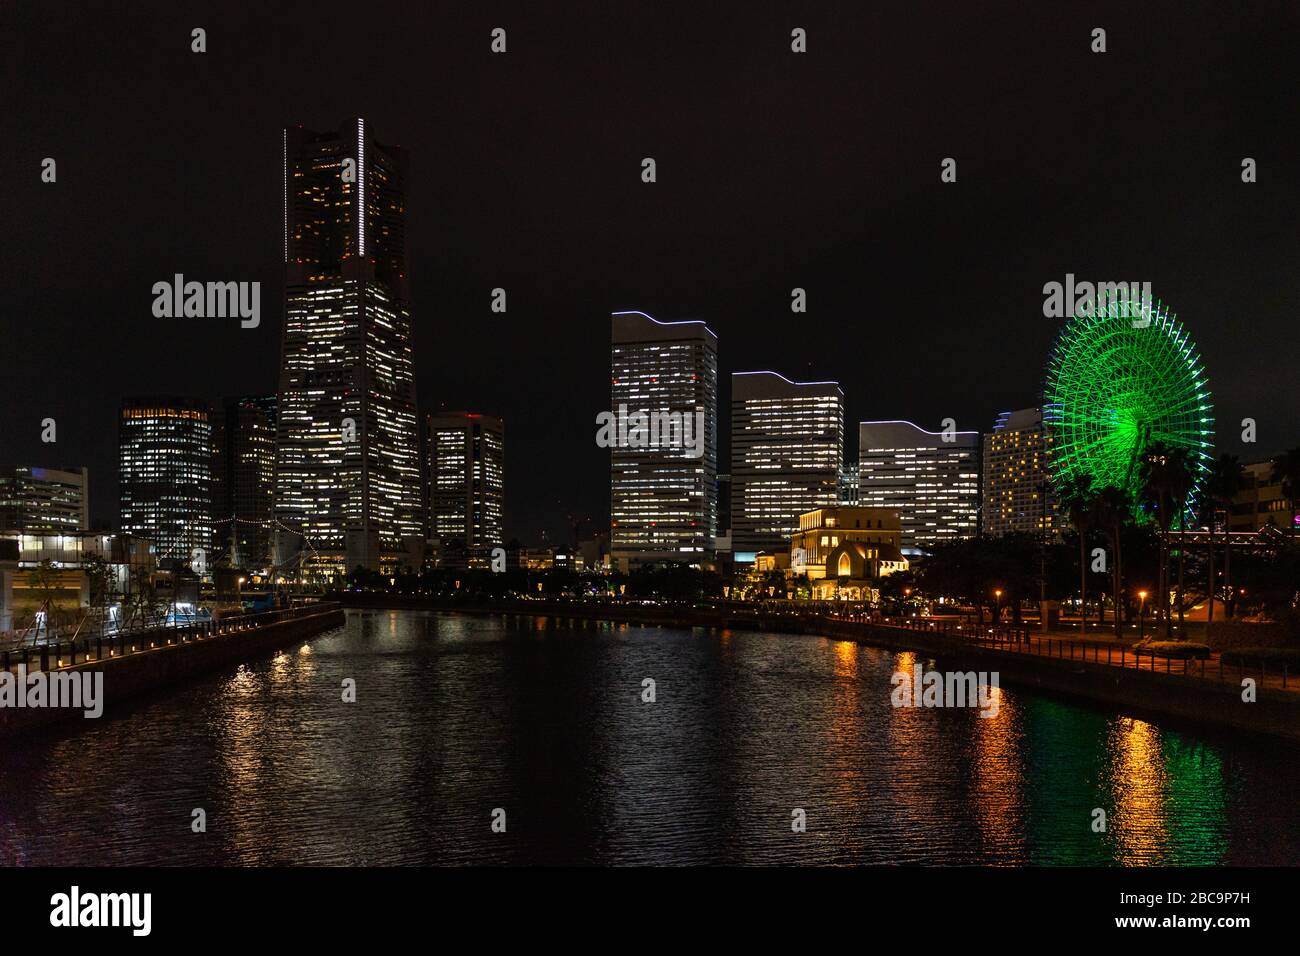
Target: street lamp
{"points": [[997, 608], [1142, 610]]}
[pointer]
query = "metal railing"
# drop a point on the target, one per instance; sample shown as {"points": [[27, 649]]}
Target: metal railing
{"points": [[1023, 640], [106, 647]]}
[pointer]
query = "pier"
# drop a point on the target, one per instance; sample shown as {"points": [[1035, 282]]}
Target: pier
{"points": [[135, 662]]}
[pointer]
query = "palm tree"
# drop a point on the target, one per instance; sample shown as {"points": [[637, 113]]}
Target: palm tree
{"points": [[1080, 504], [1222, 485], [1167, 476], [1286, 471], [1113, 511]]}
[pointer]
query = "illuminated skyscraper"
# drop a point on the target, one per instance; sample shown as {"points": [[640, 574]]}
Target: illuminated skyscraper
{"points": [[466, 471], [664, 452], [347, 445], [931, 482], [243, 480], [1018, 493], [48, 500], [787, 448], [164, 475]]}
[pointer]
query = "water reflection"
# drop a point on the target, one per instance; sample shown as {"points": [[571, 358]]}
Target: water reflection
{"points": [[455, 716]]}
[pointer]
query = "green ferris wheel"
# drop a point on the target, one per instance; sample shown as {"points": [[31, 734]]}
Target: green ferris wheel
{"points": [[1120, 379]]}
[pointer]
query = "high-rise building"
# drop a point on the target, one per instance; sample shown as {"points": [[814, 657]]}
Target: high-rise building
{"points": [[1260, 501], [930, 478], [466, 479], [347, 477], [663, 444], [849, 479], [43, 499], [1018, 494], [165, 475], [787, 448], [243, 480]]}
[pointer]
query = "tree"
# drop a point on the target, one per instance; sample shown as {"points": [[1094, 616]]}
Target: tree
{"points": [[1080, 503], [1286, 471], [1114, 511], [141, 600], [1222, 485], [44, 579], [1167, 477], [98, 576]]}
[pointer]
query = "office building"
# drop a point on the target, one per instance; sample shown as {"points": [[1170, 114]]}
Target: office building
{"points": [[849, 484], [43, 499], [465, 462], [1017, 495], [787, 449], [347, 476], [662, 433], [930, 478], [243, 480], [165, 476], [1260, 502]]}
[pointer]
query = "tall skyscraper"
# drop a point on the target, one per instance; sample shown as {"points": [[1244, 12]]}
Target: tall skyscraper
{"points": [[347, 444], [1018, 494], [466, 476], [930, 478], [663, 452], [787, 448], [849, 480], [243, 480], [43, 500], [165, 475]]}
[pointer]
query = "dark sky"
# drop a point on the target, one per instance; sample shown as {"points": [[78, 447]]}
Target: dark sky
{"points": [[775, 170]]}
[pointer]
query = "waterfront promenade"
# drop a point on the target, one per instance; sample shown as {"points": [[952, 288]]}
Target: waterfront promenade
{"points": [[1106, 671], [158, 659]]}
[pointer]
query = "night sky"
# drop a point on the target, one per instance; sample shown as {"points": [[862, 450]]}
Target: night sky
{"points": [[775, 170]]}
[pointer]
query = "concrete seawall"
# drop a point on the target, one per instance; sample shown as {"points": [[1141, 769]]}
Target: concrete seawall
{"points": [[1139, 692], [162, 667]]}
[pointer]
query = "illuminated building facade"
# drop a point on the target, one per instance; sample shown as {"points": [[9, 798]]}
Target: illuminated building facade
{"points": [[1260, 501], [466, 479], [243, 480], [663, 495], [787, 448], [1018, 494], [347, 445], [849, 484], [931, 482], [165, 475], [43, 499], [847, 542]]}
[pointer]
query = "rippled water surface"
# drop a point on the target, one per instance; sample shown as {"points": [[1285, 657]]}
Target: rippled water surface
{"points": [[456, 716]]}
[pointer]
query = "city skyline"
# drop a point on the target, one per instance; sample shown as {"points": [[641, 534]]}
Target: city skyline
{"points": [[873, 235], [853, 438]]}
